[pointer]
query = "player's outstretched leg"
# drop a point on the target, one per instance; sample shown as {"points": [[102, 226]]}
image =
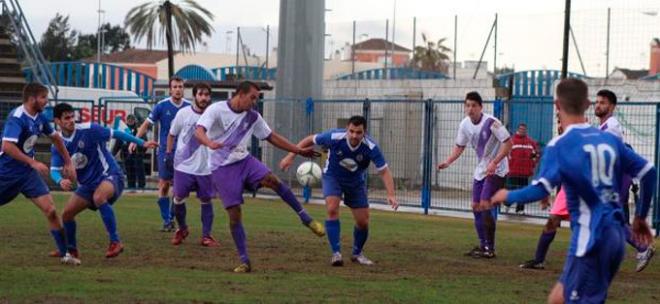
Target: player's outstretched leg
{"points": [[180, 216], [46, 205], [333, 229], [543, 245], [104, 195], [207, 224], [360, 235], [238, 234], [272, 182]]}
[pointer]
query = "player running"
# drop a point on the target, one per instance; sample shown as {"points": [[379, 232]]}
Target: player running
{"points": [[589, 164], [191, 170], [490, 139], [20, 172], [350, 153], [100, 180], [226, 128], [163, 113]]}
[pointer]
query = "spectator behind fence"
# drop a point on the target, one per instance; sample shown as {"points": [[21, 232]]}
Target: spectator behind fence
{"points": [[524, 155], [133, 162]]}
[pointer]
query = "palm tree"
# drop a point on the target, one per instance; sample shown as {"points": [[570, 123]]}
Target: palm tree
{"points": [[432, 56], [188, 21]]}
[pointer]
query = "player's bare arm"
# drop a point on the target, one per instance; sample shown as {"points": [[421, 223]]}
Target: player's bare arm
{"points": [[14, 152], [144, 127], [505, 148], [386, 176], [287, 160], [280, 142], [455, 154], [200, 135]]}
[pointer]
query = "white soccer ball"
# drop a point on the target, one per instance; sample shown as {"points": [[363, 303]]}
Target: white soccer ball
{"points": [[308, 173]]}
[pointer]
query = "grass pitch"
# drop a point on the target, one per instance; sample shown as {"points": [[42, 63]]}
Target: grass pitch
{"points": [[419, 259]]}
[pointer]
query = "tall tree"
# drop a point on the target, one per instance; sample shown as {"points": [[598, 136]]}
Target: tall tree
{"points": [[115, 40], [432, 56], [58, 42], [188, 21]]}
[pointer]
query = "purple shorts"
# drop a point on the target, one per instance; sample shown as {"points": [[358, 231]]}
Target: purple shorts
{"points": [[185, 183], [230, 180], [485, 189]]}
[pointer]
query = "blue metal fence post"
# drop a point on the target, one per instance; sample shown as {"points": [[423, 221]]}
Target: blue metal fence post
{"points": [[309, 112], [427, 159], [656, 204], [366, 111]]}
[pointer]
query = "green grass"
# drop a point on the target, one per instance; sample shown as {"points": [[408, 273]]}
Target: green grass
{"points": [[418, 260]]}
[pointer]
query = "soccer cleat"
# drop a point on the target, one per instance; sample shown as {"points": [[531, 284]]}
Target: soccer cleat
{"points": [[169, 227], [337, 260], [487, 254], [474, 252], [179, 236], [209, 241], [316, 227], [68, 259], [73, 251], [243, 268], [532, 264], [362, 260], [114, 249], [643, 258]]}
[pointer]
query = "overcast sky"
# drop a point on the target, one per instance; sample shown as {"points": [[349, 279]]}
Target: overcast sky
{"points": [[529, 32]]}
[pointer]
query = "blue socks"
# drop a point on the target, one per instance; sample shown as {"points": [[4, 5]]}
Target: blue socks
{"points": [[207, 218], [70, 230], [58, 235], [164, 204], [544, 243], [238, 234], [180, 214], [359, 238], [333, 230], [285, 193], [108, 217]]}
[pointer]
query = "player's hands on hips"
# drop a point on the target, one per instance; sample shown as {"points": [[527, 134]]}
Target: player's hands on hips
{"points": [[66, 184], [40, 167], [641, 232], [443, 165], [131, 147], [545, 203], [392, 201], [308, 152], [214, 145], [150, 144], [490, 170], [286, 163]]}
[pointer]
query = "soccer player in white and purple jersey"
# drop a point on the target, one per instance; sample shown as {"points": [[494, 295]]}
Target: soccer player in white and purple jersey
{"points": [[20, 172], [350, 151], [227, 127], [163, 114], [490, 139], [604, 108], [191, 169], [100, 180], [589, 164]]}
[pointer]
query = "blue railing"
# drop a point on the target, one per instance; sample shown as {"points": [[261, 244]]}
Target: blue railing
{"points": [[393, 73], [532, 83]]}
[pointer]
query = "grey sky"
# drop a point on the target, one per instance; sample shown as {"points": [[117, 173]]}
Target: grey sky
{"points": [[529, 34]]}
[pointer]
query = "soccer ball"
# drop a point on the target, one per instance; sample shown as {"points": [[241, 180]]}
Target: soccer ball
{"points": [[308, 173]]}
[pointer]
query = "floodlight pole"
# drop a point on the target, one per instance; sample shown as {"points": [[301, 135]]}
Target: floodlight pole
{"points": [[567, 28]]}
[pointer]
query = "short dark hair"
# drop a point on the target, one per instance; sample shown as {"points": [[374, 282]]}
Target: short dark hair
{"points": [[474, 95], [201, 86], [174, 78], [572, 94], [357, 121], [522, 124], [611, 97], [33, 89], [62, 108], [245, 86]]}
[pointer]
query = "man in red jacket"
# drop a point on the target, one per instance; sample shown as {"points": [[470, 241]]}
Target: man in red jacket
{"points": [[523, 158]]}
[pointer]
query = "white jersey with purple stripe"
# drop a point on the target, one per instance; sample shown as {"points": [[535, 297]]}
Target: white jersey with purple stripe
{"points": [[163, 113], [190, 157], [613, 126], [345, 162], [234, 130], [485, 137], [22, 129]]}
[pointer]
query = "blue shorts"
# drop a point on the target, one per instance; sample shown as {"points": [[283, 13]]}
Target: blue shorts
{"points": [[163, 172], [587, 278], [30, 184], [87, 191], [354, 194]]}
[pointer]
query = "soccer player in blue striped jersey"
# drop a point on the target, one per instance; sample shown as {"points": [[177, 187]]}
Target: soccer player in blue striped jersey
{"points": [[19, 171], [163, 114], [350, 153], [100, 180], [590, 165]]}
